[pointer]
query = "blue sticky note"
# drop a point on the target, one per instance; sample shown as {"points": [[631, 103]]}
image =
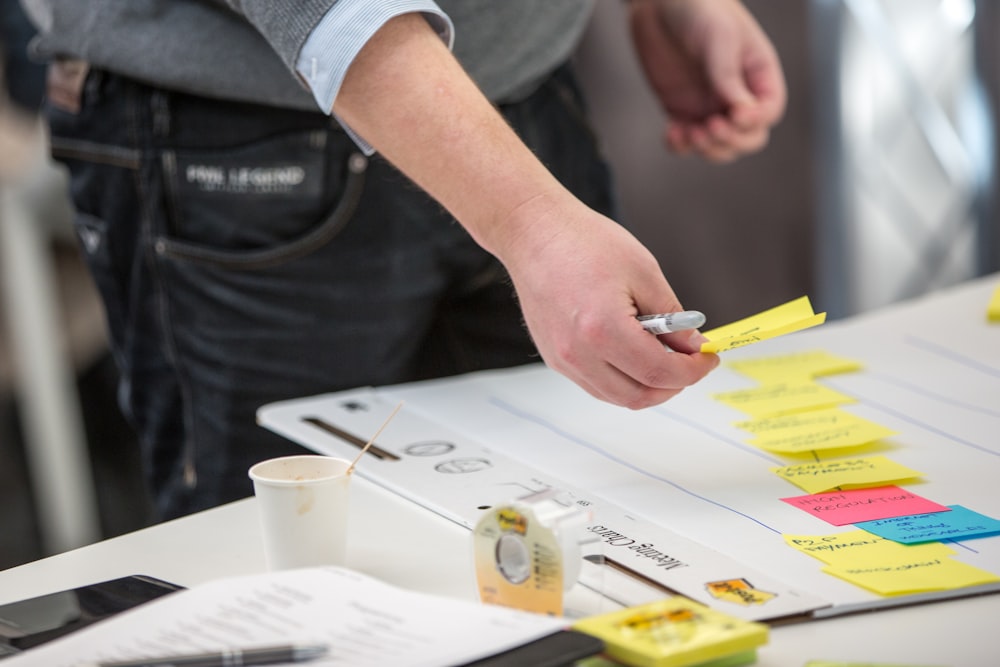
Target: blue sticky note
{"points": [[958, 524]]}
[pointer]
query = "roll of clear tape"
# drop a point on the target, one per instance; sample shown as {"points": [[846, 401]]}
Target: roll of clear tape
{"points": [[529, 552]]}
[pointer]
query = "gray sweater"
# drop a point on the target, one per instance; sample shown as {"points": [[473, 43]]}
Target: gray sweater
{"points": [[246, 49]]}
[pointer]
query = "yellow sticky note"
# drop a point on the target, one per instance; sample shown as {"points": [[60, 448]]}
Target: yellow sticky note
{"points": [[780, 398], [855, 434], [860, 547], [811, 364], [811, 420], [849, 473], [673, 632], [993, 309], [917, 575], [778, 321]]}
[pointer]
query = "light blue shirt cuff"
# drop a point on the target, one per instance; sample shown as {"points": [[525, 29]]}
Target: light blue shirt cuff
{"points": [[340, 35]]}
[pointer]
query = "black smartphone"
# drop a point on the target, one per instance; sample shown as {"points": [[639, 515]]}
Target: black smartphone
{"points": [[34, 621]]}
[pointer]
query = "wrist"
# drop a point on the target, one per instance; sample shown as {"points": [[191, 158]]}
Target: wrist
{"points": [[520, 234]]}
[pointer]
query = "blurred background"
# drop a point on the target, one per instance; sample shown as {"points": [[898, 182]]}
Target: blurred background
{"points": [[878, 186]]}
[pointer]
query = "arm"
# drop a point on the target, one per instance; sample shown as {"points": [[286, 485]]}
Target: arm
{"points": [[580, 277], [714, 71]]}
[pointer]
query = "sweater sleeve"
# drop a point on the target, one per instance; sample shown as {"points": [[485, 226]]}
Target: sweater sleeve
{"points": [[344, 30], [333, 44], [319, 40]]}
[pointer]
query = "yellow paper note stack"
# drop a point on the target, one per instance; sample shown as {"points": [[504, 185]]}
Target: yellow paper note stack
{"points": [[676, 632]]}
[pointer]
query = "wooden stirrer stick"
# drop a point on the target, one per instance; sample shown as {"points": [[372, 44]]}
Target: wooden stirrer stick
{"points": [[364, 449]]}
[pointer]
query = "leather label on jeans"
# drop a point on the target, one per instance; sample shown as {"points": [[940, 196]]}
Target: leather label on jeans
{"points": [[64, 84]]}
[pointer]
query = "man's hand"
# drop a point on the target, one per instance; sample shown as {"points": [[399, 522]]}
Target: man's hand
{"points": [[715, 72], [581, 280]]}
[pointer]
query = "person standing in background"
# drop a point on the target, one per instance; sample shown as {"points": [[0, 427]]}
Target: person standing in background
{"points": [[283, 199]]}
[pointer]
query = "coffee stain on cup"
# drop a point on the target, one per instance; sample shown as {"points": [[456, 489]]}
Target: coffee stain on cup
{"points": [[305, 498]]}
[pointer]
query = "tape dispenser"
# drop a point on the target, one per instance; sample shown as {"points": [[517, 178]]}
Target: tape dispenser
{"points": [[529, 553]]}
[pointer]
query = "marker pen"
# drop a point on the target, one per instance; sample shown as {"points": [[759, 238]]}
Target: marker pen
{"points": [[671, 322]]}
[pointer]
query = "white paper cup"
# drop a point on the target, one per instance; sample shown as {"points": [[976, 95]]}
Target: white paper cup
{"points": [[303, 503]]}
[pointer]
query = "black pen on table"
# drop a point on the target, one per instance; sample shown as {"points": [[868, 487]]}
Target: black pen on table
{"points": [[234, 657]]}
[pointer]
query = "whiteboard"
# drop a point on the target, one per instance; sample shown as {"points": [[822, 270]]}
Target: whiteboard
{"points": [[683, 467]]}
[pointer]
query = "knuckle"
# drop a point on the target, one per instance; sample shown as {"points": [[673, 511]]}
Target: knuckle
{"points": [[647, 398], [674, 377], [593, 331]]}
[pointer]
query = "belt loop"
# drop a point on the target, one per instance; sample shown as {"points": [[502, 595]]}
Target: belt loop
{"points": [[160, 107]]}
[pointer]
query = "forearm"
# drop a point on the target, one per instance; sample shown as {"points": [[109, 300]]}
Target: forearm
{"points": [[410, 99], [580, 277]]}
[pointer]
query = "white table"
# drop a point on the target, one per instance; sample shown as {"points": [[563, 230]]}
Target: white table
{"points": [[401, 543]]}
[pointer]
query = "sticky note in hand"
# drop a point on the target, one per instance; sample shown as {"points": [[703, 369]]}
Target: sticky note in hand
{"points": [[778, 321]]}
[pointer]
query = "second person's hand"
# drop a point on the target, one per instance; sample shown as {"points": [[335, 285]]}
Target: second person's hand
{"points": [[715, 73]]}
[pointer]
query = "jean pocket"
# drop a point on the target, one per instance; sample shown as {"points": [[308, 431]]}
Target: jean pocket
{"points": [[258, 205]]}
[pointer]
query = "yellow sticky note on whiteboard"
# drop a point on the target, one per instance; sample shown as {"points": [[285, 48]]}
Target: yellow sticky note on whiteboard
{"points": [[846, 473], [802, 441], [808, 364], [808, 421], [778, 321], [860, 546], [992, 310], [913, 575], [783, 398]]}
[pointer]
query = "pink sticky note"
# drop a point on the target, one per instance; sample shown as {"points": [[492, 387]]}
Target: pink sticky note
{"points": [[843, 507]]}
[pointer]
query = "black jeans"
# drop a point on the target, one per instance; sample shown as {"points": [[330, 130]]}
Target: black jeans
{"points": [[249, 254]]}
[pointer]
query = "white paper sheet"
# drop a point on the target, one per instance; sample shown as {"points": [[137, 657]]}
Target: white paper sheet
{"points": [[365, 622]]}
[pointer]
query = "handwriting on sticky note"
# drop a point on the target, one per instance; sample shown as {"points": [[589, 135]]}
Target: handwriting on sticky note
{"points": [[958, 524], [843, 507], [861, 546], [782, 398], [839, 437], [913, 576], [818, 476], [778, 321], [795, 422], [810, 364]]}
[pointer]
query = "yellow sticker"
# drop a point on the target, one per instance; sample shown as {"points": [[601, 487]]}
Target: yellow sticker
{"points": [[861, 547], [916, 575], [795, 422], [778, 321], [810, 364], [781, 398], [993, 308], [848, 473], [739, 591], [855, 434]]}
